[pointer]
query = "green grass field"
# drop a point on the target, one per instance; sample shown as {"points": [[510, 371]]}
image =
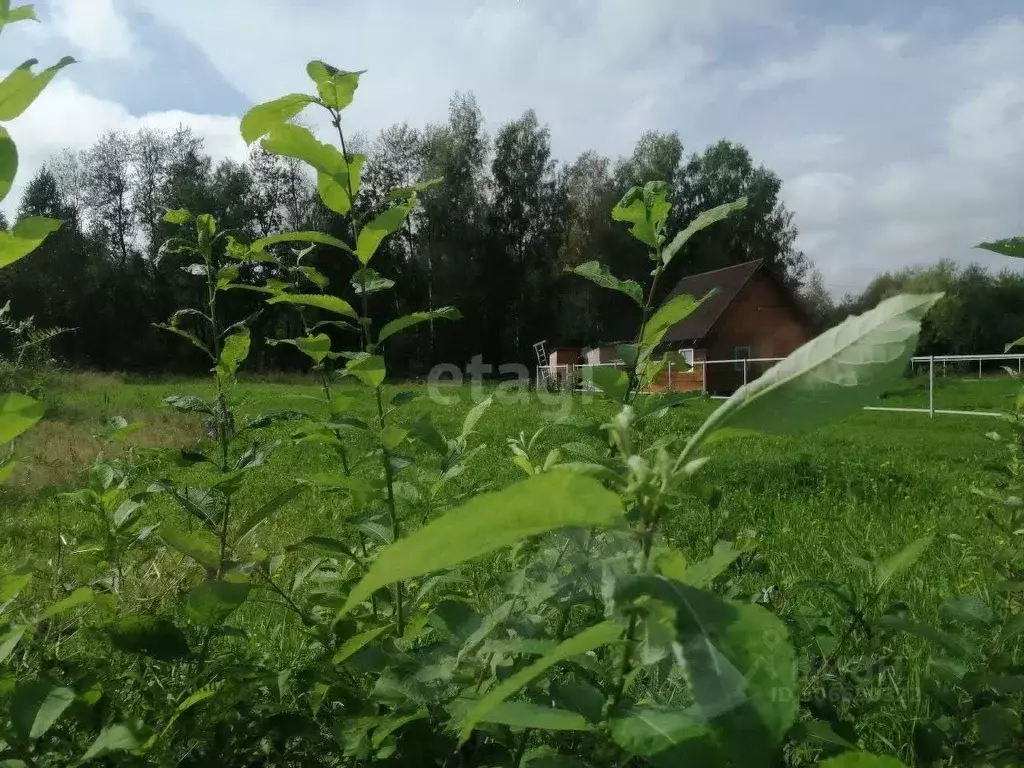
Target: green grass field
{"points": [[864, 486], [818, 503]]}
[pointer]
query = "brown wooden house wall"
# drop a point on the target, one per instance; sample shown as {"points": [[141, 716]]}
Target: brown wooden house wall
{"points": [[763, 317]]}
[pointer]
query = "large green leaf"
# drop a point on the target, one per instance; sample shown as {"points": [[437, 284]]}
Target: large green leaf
{"points": [[335, 86], [299, 237], [120, 737], [10, 15], [741, 671], [885, 569], [356, 643], [524, 714], [334, 190], [18, 413], [703, 221], [8, 162], [315, 346], [1011, 246], [36, 705], [596, 272], [383, 224], [212, 601], [647, 209], [27, 235], [367, 281], [861, 760], [232, 354], [587, 640], [21, 87], [259, 120], [369, 369], [836, 374], [491, 521], [335, 176], [197, 545], [613, 382], [148, 635], [319, 300], [401, 323], [670, 313], [80, 596]]}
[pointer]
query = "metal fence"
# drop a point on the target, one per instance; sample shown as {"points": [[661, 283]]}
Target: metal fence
{"points": [[928, 376]]}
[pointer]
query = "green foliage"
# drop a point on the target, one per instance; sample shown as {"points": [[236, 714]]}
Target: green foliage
{"points": [[561, 620]]}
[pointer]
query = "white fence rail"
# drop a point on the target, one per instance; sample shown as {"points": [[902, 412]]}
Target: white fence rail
{"points": [[752, 367]]}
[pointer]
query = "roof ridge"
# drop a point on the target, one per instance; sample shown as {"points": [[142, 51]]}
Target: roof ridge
{"points": [[722, 269]]}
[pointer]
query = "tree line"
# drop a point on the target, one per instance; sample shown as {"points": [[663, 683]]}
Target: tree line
{"points": [[493, 239]]}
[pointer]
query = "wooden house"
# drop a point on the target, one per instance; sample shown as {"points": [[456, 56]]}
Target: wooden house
{"points": [[753, 314]]}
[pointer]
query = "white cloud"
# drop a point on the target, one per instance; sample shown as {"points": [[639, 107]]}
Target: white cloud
{"points": [[65, 116], [95, 28]]}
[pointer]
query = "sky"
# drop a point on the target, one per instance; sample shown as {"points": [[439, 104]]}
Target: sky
{"points": [[897, 127]]}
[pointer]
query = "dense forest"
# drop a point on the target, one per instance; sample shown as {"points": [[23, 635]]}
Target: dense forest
{"points": [[493, 239]]}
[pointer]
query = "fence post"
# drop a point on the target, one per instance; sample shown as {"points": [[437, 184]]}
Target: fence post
{"points": [[670, 376], [704, 376], [931, 386], [744, 371]]}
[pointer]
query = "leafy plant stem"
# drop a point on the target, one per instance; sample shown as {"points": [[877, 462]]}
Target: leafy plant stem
{"points": [[521, 748], [392, 510]]}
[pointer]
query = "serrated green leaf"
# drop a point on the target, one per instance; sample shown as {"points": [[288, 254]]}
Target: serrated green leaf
{"points": [[598, 273], [178, 216], [703, 221], [17, 414], [491, 521], [383, 224], [300, 237], [401, 323], [488, 708], [836, 374], [319, 300], [369, 369], [191, 337], [259, 120], [9, 641], [315, 346], [367, 281], [336, 87], [232, 354]]}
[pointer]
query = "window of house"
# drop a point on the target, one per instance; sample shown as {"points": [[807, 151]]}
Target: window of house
{"points": [[687, 355], [739, 354]]}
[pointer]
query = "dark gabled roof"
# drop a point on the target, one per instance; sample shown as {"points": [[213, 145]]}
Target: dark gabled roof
{"points": [[728, 281]]}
